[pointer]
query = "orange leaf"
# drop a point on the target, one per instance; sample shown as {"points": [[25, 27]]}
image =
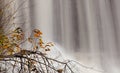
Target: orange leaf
{"points": [[37, 33]]}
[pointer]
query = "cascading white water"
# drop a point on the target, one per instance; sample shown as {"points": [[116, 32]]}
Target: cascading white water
{"points": [[88, 29]]}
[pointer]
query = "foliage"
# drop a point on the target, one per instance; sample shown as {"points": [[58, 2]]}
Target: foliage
{"points": [[14, 58], [34, 60]]}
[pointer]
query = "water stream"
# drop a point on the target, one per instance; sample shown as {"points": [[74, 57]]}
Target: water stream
{"points": [[87, 29]]}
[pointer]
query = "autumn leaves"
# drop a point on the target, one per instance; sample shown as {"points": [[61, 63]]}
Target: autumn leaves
{"points": [[10, 44], [38, 43], [37, 33]]}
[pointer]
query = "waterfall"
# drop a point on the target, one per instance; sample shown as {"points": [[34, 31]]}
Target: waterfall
{"points": [[87, 29]]}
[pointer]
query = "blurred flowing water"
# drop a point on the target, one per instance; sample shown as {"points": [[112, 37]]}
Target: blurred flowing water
{"points": [[89, 30]]}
